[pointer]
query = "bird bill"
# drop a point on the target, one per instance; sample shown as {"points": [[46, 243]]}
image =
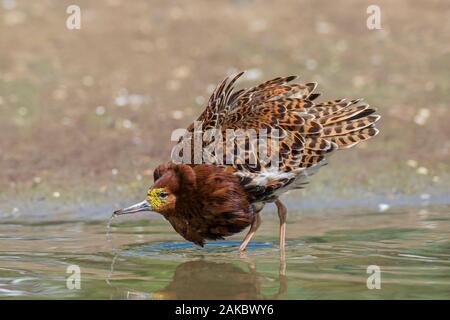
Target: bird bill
{"points": [[141, 206]]}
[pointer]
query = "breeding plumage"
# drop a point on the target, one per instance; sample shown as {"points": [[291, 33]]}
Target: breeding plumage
{"points": [[218, 197]]}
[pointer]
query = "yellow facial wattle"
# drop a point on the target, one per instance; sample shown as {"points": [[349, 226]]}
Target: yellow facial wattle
{"points": [[154, 199]]}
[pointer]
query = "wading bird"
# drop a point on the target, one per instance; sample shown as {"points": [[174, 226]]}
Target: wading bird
{"points": [[214, 200]]}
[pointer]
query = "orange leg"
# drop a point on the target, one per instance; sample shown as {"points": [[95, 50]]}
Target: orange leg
{"points": [[282, 212], [255, 225]]}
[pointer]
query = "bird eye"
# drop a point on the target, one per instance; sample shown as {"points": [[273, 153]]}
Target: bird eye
{"points": [[163, 195]]}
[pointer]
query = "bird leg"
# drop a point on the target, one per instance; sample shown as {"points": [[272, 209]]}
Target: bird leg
{"points": [[254, 226], [282, 211]]}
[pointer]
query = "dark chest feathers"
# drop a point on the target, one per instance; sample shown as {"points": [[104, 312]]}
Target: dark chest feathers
{"points": [[218, 208]]}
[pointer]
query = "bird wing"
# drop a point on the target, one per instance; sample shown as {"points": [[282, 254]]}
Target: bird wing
{"points": [[307, 131]]}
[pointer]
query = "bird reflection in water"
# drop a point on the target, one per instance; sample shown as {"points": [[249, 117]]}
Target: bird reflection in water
{"points": [[200, 279]]}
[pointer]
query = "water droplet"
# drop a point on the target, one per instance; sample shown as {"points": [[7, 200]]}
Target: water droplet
{"points": [[311, 64], [422, 116], [121, 99], [210, 88], [181, 72], [177, 114], [200, 100], [8, 4], [22, 111], [258, 25], [100, 110], [136, 99], [422, 170], [323, 27], [127, 124], [253, 74], [412, 163], [425, 196], [108, 227]]}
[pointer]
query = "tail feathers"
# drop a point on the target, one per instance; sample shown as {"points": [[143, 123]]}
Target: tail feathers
{"points": [[309, 161], [303, 91], [325, 109], [349, 112], [313, 96], [318, 144], [348, 126], [350, 139], [347, 123]]}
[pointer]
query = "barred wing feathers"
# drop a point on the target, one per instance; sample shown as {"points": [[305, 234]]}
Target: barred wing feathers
{"points": [[308, 131]]}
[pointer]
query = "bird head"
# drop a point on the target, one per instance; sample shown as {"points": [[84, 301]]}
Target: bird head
{"points": [[162, 196], [158, 200]]}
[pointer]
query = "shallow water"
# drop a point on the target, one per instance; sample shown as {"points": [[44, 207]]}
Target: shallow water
{"points": [[327, 256]]}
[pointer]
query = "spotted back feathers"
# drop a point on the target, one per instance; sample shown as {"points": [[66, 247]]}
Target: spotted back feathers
{"points": [[308, 130]]}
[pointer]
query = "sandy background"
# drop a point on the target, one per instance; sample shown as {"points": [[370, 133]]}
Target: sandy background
{"points": [[85, 115]]}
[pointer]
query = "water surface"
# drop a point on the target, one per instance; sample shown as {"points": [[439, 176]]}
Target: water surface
{"points": [[327, 256]]}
